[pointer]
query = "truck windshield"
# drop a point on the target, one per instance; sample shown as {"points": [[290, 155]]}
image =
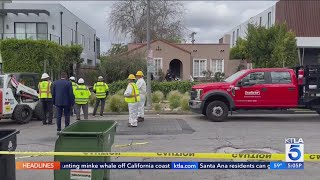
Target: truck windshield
{"points": [[235, 76]]}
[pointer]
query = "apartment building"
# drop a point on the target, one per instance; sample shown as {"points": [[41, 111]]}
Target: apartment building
{"points": [[49, 22], [302, 17]]}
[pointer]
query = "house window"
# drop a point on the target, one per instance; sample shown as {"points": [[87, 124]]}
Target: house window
{"points": [[199, 65], [217, 65], [94, 43], [157, 66], [72, 40], [89, 62], [260, 21], [75, 37], [89, 46], [269, 19], [83, 41], [233, 38], [36, 31], [237, 33]]}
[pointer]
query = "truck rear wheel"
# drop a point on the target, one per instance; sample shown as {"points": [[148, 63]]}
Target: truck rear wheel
{"points": [[22, 114], [217, 111]]}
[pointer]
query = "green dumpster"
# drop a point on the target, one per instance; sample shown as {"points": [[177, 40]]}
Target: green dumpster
{"points": [[85, 136]]}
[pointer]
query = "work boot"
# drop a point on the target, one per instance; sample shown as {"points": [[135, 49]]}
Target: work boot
{"points": [[130, 125], [140, 119]]}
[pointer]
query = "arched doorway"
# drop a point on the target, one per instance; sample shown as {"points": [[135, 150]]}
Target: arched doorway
{"points": [[176, 67]]}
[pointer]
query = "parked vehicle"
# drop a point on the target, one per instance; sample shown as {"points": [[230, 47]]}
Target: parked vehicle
{"points": [[19, 98], [252, 89]]}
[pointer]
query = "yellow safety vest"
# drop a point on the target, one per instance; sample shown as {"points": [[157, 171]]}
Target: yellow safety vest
{"points": [[44, 90], [101, 88], [74, 86], [135, 95], [82, 94]]}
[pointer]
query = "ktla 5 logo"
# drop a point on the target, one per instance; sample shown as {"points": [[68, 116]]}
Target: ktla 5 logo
{"points": [[294, 150]]}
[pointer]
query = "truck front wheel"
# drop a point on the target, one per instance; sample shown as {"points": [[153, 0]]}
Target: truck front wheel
{"points": [[217, 111]]}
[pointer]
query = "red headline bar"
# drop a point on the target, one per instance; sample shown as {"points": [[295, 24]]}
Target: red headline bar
{"points": [[37, 165]]}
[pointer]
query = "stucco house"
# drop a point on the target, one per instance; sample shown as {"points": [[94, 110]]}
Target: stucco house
{"points": [[188, 59]]}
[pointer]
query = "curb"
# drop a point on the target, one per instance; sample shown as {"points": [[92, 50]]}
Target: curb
{"points": [[151, 113], [234, 112], [291, 111]]}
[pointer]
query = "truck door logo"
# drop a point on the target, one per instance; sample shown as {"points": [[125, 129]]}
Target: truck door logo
{"points": [[252, 93]]}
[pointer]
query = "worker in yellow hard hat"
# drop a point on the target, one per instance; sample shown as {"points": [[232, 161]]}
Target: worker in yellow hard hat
{"points": [[143, 91], [132, 97]]}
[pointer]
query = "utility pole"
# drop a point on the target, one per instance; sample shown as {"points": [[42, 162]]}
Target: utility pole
{"points": [[192, 37], [149, 59]]}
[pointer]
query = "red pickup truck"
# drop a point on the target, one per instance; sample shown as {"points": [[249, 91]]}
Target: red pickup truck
{"points": [[252, 89]]}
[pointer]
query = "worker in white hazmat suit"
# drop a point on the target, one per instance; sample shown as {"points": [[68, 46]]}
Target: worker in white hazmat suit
{"points": [[143, 91], [132, 97]]}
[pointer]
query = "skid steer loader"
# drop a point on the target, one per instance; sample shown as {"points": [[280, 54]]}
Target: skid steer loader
{"points": [[18, 101]]}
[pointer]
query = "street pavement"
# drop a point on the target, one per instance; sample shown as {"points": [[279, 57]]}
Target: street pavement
{"points": [[188, 133]]}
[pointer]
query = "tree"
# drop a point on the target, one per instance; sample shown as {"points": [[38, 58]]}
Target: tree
{"points": [[72, 56], [240, 50], [272, 47], [117, 49], [115, 68], [129, 18]]}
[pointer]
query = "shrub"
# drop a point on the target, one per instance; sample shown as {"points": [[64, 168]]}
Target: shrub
{"points": [[174, 99], [120, 92], [157, 107], [124, 105], [157, 96], [184, 102], [90, 77], [92, 99], [117, 85], [164, 87], [116, 104]]}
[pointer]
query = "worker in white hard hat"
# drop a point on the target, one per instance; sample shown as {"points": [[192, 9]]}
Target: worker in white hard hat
{"points": [[45, 96], [143, 91], [82, 95], [101, 90], [132, 97], [74, 86]]}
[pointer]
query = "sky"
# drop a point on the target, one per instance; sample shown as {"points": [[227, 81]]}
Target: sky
{"points": [[209, 19]]}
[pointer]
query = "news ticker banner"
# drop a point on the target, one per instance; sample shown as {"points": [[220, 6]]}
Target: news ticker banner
{"points": [[224, 156], [159, 165]]}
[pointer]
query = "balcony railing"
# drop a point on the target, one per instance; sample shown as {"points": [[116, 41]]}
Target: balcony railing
{"points": [[33, 36]]}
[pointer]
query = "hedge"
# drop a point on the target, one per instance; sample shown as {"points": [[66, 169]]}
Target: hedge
{"points": [[30, 56], [165, 87]]}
